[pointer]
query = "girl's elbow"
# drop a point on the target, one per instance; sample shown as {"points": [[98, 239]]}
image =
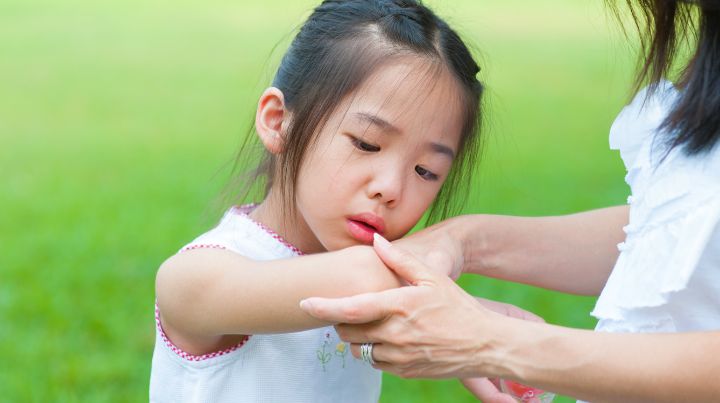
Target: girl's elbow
{"points": [[164, 284], [174, 284]]}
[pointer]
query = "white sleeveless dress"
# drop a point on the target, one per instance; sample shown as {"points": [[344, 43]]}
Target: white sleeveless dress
{"points": [[310, 366]]}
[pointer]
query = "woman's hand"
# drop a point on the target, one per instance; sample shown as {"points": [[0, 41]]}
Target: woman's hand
{"points": [[425, 330], [431, 329], [434, 307], [422, 330], [438, 247], [418, 331]]}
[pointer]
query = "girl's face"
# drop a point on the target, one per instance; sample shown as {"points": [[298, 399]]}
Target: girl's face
{"points": [[381, 158]]}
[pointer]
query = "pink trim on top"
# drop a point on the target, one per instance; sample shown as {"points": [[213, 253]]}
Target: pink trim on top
{"points": [[245, 211], [185, 355], [202, 246]]}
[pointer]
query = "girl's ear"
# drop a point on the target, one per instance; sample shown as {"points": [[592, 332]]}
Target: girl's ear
{"points": [[271, 120]]}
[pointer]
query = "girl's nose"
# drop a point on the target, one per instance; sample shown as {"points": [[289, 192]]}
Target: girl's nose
{"points": [[387, 186]]}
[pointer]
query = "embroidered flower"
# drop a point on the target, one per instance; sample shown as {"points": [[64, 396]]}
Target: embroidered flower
{"points": [[341, 351], [340, 348]]}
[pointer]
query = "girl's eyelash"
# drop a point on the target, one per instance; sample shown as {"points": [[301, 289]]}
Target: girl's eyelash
{"points": [[425, 174], [363, 146], [371, 148]]}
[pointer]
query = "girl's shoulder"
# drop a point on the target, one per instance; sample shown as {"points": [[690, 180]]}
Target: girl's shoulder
{"points": [[239, 233]]}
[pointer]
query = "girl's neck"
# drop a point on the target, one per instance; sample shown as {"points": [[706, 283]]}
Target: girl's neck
{"points": [[293, 228]]}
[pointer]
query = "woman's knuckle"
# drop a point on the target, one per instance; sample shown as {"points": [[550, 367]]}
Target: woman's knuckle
{"points": [[400, 338], [350, 313], [403, 360], [401, 308], [377, 334]]}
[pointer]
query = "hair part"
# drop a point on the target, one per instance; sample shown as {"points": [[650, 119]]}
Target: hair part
{"points": [[665, 26]]}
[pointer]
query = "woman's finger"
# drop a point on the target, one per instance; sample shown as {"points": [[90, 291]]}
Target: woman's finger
{"points": [[361, 308], [377, 351], [402, 262], [355, 350], [381, 353]]}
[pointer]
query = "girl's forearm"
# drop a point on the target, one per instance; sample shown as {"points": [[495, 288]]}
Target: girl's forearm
{"points": [[608, 367], [573, 253], [216, 292]]}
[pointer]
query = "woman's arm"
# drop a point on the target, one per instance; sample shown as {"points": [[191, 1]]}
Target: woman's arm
{"points": [[608, 367], [572, 253], [204, 294], [436, 330]]}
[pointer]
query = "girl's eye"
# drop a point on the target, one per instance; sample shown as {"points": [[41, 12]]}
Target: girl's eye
{"points": [[425, 174], [363, 146]]}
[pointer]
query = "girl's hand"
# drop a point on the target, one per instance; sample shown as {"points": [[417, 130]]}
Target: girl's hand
{"points": [[488, 390]]}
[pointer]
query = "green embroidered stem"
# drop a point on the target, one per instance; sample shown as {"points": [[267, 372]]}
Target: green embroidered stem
{"points": [[323, 355]]}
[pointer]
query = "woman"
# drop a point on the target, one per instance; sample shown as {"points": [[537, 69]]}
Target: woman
{"points": [[655, 263]]}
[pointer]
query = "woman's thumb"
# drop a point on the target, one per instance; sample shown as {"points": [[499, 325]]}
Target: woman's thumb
{"points": [[401, 262]]}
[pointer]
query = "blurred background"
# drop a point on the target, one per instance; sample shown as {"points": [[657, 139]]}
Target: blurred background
{"points": [[119, 121]]}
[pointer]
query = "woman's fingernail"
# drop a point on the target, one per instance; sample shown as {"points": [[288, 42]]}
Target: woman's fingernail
{"points": [[378, 240], [305, 305]]}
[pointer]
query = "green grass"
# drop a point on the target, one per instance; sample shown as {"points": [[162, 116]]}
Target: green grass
{"points": [[118, 118]]}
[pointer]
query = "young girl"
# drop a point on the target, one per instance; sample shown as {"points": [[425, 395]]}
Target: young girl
{"points": [[371, 115]]}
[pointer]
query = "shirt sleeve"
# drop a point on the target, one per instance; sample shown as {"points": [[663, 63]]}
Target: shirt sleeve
{"points": [[640, 120]]}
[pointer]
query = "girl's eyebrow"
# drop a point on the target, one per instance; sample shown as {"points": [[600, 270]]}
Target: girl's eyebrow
{"points": [[443, 149], [386, 126], [377, 121]]}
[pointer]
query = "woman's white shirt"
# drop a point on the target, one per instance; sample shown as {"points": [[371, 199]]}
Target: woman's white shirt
{"points": [[667, 276]]}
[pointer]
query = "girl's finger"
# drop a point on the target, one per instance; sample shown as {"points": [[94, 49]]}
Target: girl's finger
{"points": [[486, 391]]}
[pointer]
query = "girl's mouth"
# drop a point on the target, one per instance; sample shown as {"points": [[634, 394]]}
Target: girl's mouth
{"points": [[363, 226]]}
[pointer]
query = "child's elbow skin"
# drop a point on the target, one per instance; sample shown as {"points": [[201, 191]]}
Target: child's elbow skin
{"points": [[163, 272], [169, 282]]}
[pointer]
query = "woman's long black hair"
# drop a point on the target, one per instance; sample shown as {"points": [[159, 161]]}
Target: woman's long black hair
{"points": [[665, 26]]}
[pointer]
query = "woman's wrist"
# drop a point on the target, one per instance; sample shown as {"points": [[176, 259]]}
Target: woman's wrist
{"points": [[544, 356], [472, 237], [492, 341]]}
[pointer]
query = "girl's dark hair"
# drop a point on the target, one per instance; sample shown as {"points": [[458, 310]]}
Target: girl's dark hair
{"points": [[666, 26], [335, 51]]}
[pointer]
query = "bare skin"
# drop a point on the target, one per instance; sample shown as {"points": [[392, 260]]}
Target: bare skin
{"points": [[580, 249], [433, 329]]}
